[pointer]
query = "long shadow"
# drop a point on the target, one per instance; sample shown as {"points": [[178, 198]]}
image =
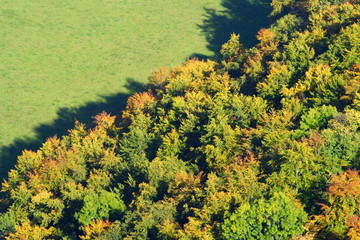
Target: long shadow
{"points": [[244, 17], [65, 120]]}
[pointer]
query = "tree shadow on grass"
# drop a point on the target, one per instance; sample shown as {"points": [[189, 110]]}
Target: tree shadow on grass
{"points": [[112, 104], [244, 17]]}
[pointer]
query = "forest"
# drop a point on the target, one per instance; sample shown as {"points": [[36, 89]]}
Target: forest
{"points": [[258, 143]]}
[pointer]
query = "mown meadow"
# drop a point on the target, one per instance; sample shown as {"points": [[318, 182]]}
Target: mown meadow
{"points": [[63, 61], [63, 54]]}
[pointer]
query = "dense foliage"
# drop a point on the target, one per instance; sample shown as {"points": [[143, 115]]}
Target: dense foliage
{"points": [[262, 144]]}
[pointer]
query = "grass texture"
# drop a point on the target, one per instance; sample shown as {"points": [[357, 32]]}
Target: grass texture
{"points": [[64, 54]]}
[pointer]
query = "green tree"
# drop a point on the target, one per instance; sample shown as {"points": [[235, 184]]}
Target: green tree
{"points": [[280, 217], [99, 205]]}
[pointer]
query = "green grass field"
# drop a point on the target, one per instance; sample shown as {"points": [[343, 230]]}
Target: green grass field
{"points": [[64, 54], [67, 60]]}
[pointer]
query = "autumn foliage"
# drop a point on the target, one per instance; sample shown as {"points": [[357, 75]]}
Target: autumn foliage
{"points": [[260, 144]]}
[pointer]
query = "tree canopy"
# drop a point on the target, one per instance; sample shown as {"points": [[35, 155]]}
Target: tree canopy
{"points": [[260, 144]]}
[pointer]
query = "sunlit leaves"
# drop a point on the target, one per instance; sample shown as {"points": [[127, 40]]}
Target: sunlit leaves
{"points": [[278, 76], [279, 217], [31, 232], [279, 5], [99, 205], [317, 117], [343, 206], [95, 229]]}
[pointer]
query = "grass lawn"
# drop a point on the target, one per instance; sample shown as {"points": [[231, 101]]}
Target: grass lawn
{"points": [[70, 59], [64, 54]]}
